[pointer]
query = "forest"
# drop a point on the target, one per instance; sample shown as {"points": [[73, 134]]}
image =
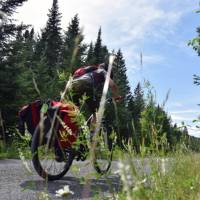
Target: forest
{"points": [[37, 66]]}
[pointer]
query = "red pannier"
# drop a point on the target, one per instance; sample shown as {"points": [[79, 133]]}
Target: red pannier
{"points": [[68, 128], [29, 115]]}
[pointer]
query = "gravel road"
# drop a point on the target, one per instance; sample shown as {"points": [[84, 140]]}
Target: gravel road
{"points": [[17, 184]]}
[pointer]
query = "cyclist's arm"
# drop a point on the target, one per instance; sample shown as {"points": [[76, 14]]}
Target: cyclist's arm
{"points": [[114, 88]]}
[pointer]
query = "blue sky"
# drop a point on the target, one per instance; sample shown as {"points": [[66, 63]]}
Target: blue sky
{"points": [[160, 29]]}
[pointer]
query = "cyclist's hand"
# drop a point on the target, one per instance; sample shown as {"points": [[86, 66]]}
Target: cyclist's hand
{"points": [[118, 99]]}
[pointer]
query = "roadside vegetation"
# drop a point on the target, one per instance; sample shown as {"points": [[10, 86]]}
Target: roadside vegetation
{"points": [[33, 67]]}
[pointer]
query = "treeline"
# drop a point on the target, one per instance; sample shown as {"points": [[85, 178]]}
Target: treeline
{"points": [[37, 66]]}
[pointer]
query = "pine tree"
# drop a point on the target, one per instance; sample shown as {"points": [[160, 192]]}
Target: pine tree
{"points": [[9, 70], [156, 128], [100, 51], [8, 29], [90, 55], [136, 105], [47, 56], [120, 78], [9, 6], [51, 39], [74, 49], [27, 90]]}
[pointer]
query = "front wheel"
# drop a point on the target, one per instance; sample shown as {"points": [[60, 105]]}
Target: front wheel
{"points": [[102, 150], [49, 160]]}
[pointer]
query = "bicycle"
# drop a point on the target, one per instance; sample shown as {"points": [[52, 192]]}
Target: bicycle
{"points": [[52, 157]]}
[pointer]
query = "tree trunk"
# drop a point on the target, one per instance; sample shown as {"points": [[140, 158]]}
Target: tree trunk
{"points": [[2, 130]]}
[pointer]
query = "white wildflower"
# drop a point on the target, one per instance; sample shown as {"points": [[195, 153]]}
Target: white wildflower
{"points": [[64, 192]]}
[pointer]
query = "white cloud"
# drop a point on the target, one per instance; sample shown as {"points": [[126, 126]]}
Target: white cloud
{"points": [[187, 116], [182, 118], [194, 131], [123, 21], [152, 59], [175, 104], [191, 111], [126, 24]]}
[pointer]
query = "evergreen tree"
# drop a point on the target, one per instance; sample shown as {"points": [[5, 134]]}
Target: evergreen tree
{"points": [[47, 56], [156, 129], [185, 137], [8, 71], [90, 55], [176, 136], [120, 78], [8, 79], [9, 6], [136, 105], [100, 51], [51, 39], [146, 120], [7, 27], [27, 90], [194, 143], [73, 50], [164, 128]]}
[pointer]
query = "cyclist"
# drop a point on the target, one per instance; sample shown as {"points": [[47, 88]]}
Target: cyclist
{"points": [[89, 81]]}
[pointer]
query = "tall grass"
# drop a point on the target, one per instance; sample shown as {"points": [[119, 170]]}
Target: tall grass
{"points": [[157, 174], [173, 176]]}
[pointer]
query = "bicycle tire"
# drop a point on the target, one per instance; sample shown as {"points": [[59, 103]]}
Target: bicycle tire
{"points": [[103, 151], [40, 143]]}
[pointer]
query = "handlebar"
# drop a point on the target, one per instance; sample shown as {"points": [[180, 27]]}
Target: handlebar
{"points": [[116, 99]]}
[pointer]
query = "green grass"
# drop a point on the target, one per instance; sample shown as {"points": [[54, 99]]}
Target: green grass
{"points": [[180, 180], [11, 151], [8, 153]]}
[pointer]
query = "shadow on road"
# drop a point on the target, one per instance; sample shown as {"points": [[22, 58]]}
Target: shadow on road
{"points": [[82, 190]]}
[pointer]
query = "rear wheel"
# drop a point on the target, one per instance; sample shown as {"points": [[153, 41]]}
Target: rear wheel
{"points": [[49, 159], [103, 150]]}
